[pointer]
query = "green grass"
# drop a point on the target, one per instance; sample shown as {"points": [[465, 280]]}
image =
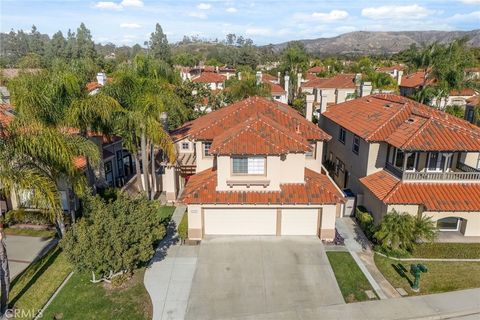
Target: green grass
{"points": [[167, 211], [438, 250], [81, 299], [33, 287], [441, 276], [350, 279], [29, 232]]}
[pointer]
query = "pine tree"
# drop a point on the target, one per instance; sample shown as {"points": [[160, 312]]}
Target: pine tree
{"points": [[56, 47], [159, 44], [84, 43]]}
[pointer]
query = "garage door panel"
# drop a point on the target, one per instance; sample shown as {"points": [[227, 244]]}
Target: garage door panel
{"points": [[240, 221], [299, 222]]}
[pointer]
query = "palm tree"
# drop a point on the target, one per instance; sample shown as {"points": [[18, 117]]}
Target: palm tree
{"points": [[144, 91], [34, 157], [248, 86]]}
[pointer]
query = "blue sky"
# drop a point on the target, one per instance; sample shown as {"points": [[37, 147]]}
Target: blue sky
{"points": [[265, 21]]}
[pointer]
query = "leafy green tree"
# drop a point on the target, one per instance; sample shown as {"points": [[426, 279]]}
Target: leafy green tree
{"points": [[31, 60], [36, 43], [294, 60], [159, 44], [114, 237], [56, 48], [248, 86], [456, 111], [399, 232], [85, 47]]}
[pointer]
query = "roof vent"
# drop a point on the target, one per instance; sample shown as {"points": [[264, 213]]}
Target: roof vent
{"points": [[387, 105], [410, 120]]}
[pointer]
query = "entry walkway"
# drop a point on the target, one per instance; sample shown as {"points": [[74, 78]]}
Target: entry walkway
{"points": [[359, 247], [169, 277]]}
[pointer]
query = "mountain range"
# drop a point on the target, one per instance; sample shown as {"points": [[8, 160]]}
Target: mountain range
{"points": [[363, 42]]}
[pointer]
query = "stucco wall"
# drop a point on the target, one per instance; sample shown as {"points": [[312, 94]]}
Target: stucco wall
{"points": [[315, 163], [471, 159], [178, 146], [472, 226], [374, 205], [203, 162]]}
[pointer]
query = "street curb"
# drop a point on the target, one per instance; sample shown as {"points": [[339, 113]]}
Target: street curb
{"points": [[427, 259], [449, 315], [54, 295]]}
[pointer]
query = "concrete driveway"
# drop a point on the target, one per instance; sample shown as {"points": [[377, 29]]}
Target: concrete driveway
{"points": [[23, 250], [248, 276]]}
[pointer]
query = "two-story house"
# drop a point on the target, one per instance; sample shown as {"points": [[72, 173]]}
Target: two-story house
{"points": [[258, 171], [214, 81], [395, 153], [395, 71]]}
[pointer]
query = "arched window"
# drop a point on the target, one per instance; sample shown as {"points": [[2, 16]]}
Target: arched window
{"points": [[449, 224]]}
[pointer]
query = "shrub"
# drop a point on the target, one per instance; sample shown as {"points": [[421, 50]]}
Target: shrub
{"points": [[183, 228], [114, 236], [365, 219], [27, 217]]}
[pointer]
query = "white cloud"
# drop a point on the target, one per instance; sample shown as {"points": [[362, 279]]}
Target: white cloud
{"points": [[200, 15], [130, 25], [345, 29], [407, 12], [470, 1], [132, 3], [108, 5], [231, 10], [467, 17], [204, 6], [331, 16], [258, 31]]}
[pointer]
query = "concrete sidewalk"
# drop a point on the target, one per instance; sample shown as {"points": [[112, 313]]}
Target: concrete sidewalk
{"points": [[463, 304], [359, 247], [169, 277]]}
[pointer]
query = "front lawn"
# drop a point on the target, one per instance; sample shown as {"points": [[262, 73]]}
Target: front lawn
{"points": [[29, 232], [81, 299], [350, 278], [441, 276], [166, 211], [439, 250], [33, 287]]}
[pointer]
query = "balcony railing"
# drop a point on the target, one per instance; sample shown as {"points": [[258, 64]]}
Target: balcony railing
{"points": [[466, 173]]}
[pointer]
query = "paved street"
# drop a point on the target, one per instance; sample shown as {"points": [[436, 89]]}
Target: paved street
{"points": [[23, 250], [246, 276]]}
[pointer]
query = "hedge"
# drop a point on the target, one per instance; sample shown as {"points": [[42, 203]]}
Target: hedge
{"points": [[365, 219], [28, 217], [183, 228]]}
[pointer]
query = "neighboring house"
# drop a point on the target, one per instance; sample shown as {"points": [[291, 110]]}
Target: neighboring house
{"points": [[413, 83], [455, 98], [277, 92], [473, 73], [214, 81], [187, 73], [395, 153], [322, 92], [254, 168], [395, 72], [471, 110]]}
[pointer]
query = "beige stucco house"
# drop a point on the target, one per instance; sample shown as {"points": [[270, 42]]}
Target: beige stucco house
{"points": [[395, 153], [254, 168]]}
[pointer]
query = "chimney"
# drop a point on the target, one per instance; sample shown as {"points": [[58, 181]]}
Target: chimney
{"points": [[164, 120], [259, 77], [299, 80], [101, 78], [358, 83], [278, 77], [239, 76], [323, 102], [399, 77], [366, 89], [287, 81], [217, 70], [309, 98]]}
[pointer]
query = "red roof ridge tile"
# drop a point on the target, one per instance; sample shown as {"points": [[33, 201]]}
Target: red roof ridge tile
{"points": [[419, 131], [383, 125]]}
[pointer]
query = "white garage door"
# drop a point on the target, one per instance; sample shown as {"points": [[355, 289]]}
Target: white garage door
{"points": [[240, 221], [299, 222]]}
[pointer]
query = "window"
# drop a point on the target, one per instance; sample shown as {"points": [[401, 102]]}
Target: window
{"points": [[206, 148], [185, 145], [356, 144], [448, 224], [399, 157], [339, 166], [411, 162], [341, 136], [436, 161], [248, 166], [311, 152], [470, 115]]}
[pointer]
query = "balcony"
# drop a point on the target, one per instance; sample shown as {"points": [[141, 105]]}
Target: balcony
{"points": [[463, 173]]}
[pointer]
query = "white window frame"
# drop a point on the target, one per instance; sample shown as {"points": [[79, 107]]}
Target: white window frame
{"points": [[342, 135], [256, 166], [311, 154], [185, 146], [206, 150], [415, 161], [356, 143], [439, 167], [451, 230]]}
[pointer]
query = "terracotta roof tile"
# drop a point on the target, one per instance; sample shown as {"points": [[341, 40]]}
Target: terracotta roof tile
{"points": [[275, 88], [465, 92], [415, 80], [317, 189], [269, 77], [435, 196], [316, 69], [391, 69], [210, 77], [341, 81], [211, 125], [405, 124]]}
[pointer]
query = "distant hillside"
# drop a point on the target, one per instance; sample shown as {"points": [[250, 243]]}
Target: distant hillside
{"points": [[362, 42]]}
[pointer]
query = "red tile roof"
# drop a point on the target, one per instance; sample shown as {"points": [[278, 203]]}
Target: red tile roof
{"points": [[5, 114], [269, 77], [210, 77], [317, 189], [259, 135], [465, 92], [391, 69], [316, 69], [93, 85], [213, 124], [434, 196], [311, 76], [80, 162], [339, 81], [275, 88], [416, 80], [474, 101], [405, 124]]}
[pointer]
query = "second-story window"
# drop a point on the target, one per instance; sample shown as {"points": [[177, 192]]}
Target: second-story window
{"points": [[341, 135], [206, 148], [356, 144], [248, 166], [185, 146], [311, 153]]}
